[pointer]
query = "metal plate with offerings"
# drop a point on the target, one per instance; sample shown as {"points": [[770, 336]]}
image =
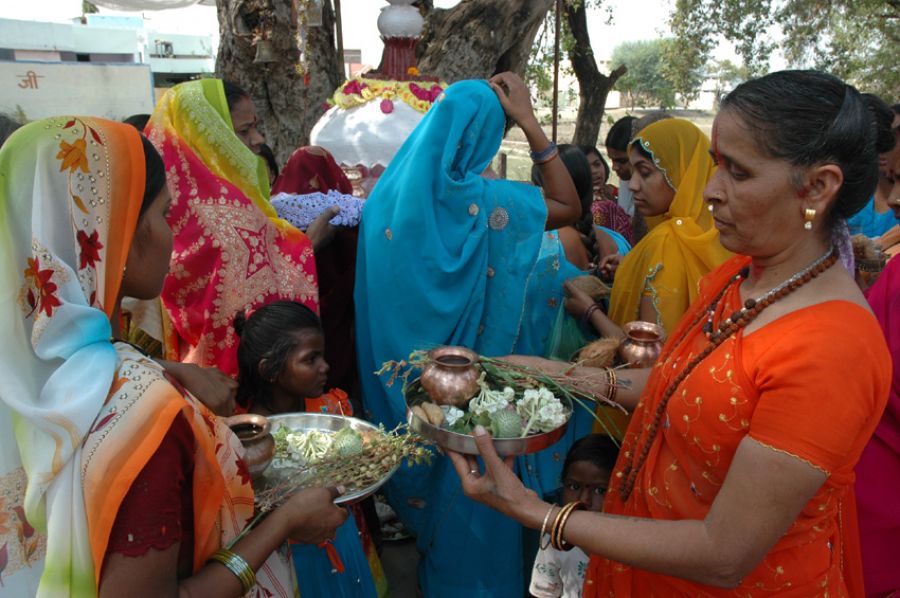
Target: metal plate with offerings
{"points": [[465, 443], [457, 390], [319, 449]]}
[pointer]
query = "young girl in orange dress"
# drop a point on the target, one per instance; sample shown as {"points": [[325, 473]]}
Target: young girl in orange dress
{"points": [[283, 369]]}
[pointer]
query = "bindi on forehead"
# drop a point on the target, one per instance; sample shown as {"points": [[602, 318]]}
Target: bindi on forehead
{"points": [[715, 141]]}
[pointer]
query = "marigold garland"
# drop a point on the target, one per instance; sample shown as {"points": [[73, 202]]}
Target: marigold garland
{"points": [[358, 91]]}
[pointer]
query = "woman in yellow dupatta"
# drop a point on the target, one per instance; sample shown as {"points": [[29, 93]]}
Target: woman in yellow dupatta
{"points": [[83, 420], [232, 252], [657, 280]]}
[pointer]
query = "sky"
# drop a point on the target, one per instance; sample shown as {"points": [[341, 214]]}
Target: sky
{"points": [[632, 20]]}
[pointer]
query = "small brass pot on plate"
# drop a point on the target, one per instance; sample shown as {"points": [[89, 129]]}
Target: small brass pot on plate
{"points": [[259, 446], [451, 376]]}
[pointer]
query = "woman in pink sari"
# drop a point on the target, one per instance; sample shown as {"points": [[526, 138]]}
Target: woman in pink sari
{"points": [[232, 253], [878, 470]]}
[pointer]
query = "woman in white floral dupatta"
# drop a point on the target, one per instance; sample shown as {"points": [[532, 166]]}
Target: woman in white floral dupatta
{"points": [[83, 419]]}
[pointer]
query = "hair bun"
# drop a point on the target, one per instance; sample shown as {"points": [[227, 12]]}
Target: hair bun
{"points": [[240, 319]]}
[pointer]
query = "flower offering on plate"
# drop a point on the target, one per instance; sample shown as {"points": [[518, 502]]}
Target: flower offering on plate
{"points": [[525, 410], [318, 449]]}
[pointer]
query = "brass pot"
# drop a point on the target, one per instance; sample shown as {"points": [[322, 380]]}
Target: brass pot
{"points": [[259, 446], [451, 377], [642, 345]]}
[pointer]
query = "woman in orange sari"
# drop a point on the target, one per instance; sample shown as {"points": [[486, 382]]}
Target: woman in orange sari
{"points": [[736, 474], [120, 483], [231, 251]]}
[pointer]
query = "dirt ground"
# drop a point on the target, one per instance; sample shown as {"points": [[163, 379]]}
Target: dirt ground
{"points": [[400, 560], [518, 163]]}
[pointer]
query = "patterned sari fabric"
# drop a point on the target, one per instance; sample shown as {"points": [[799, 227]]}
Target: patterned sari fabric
{"points": [[79, 416], [667, 264], [62, 181], [231, 250], [786, 386], [609, 214]]}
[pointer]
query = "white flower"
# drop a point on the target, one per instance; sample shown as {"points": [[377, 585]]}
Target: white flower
{"points": [[452, 414], [550, 416], [488, 402], [541, 410]]}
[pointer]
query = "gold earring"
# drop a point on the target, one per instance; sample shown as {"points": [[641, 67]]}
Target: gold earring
{"points": [[809, 215], [709, 207]]}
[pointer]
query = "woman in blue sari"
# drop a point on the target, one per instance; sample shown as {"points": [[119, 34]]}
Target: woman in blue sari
{"points": [[450, 258]]}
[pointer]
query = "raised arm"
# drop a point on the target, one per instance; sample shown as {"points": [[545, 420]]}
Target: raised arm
{"points": [[563, 205]]}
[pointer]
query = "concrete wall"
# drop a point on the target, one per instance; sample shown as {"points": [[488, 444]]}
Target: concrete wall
{"points": [[40, 89], [107, 41], [62, 37]]}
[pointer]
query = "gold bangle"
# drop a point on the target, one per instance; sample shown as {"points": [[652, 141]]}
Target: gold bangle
{"points": [[554, 541], [238, 566], [544, 528], [561, 528], [554, 529], [613, 384]]}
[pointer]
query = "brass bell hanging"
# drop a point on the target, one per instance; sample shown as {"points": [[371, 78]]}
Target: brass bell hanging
{"points": [[265, 53]]}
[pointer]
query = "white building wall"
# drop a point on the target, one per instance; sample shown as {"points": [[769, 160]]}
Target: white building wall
{"points": [[121, 42]]}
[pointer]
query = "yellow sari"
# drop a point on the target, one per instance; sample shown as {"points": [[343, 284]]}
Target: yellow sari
{"points": [[668, 263]]}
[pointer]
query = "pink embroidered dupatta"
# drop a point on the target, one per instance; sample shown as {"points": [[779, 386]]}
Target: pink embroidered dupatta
{"points": [[231, 250]]}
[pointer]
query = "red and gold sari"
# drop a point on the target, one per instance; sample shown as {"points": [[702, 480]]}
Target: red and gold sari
{"points": [[785, 385], [231, 252]]}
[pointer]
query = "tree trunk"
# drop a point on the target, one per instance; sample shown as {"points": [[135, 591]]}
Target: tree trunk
{"points": [[479, 38], [287, 106], [593, 86], [473, 40]]}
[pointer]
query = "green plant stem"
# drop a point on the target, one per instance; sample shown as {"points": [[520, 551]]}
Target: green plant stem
{"points": [[528, 427], [247, 529]]}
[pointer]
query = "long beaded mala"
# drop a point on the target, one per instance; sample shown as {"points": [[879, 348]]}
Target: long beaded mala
{"points": [[727, 327]]}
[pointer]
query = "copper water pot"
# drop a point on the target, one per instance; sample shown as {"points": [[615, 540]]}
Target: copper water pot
{"points": [[259, 446], [451, 376], [642, 345]]}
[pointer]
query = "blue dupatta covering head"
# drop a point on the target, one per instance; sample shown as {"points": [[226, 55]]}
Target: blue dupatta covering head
{"points": [[450, 258], [445, 254]]}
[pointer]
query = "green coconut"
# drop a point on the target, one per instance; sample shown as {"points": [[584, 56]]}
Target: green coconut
{"points": [[506, 423], [347, 442]]}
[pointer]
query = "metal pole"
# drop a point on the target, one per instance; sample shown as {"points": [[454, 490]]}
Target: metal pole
{"points": [[556, 68], [340, 36]]}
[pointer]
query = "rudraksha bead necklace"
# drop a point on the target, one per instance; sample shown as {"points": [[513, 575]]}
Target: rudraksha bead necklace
{"points": [[726, 328]]}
